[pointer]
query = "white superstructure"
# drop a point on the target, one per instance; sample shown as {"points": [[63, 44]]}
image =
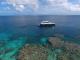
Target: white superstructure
{"points": [[47, 23]]}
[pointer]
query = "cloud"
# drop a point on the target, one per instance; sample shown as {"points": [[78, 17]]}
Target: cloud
{"points": [[65, 4], [45, 6], [75, 7], [20, 5]]}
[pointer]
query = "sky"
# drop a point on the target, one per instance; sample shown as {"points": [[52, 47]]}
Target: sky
{"points": [[39, 7]]}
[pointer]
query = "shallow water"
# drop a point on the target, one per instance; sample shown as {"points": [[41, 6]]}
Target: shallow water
{"points": [[16, 31]]}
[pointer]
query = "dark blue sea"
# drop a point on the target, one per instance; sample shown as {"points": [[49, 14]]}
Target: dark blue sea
{"points": [[16, 31]]}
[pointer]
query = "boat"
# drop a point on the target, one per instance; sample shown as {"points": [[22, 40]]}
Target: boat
{"points": [[46, 24]]}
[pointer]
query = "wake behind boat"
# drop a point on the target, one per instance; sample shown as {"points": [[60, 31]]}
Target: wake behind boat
{"points": [[46, 24]]}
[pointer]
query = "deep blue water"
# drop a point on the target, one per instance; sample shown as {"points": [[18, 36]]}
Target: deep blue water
{"points": [[15, 31], [28, 25]]}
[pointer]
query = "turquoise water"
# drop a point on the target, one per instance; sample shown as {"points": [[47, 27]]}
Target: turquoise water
{"points": [[10, 48], [16, 31]]}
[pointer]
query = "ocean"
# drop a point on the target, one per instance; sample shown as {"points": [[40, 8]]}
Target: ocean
{"points": [[16, 31]]}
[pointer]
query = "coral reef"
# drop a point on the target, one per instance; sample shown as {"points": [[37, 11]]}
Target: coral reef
{"points": [[70, 50], [59, 50], [33, 52]]}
